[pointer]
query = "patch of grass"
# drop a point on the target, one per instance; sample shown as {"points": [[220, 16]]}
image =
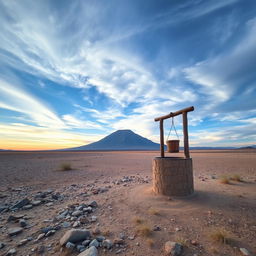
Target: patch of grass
{"points": [[137, 220], [144, 230], [153, 211], [65, 167], [236, 177], [150, 242], [224, 180], [219, 236]]}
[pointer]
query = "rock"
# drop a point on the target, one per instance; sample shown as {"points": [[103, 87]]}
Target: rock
{"points": [[40, 236], [172, 248], [77, 213], [2, 245], [80, 248], [14, 231], [131, 237], [119, 241], [70, 245], [75, 235], [36, 202], [93, 204], [95, 243], [93, 218], [27, 207], [49, 204], [83, 220], [100, 238], [107, 244], [47, 229], [157, 228], [86, 242], [50, 233], [20, 204], [92, 251], [11, 252], [76, 224], [66, 224], [22, 242], [23, 223], [14, 218], [244, 251], [87, 209], [122, 236]]}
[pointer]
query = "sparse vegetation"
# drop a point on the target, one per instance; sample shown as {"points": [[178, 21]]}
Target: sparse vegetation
{"points": [[181, 240], [137, 220], [220, 236], [144, 230], [224, 180], [150, 242], [153, 211], [65, 167], [236, 177]]}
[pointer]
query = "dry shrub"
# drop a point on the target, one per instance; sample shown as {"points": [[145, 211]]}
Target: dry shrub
{"points": [[65, 167], [224, 180], [153, 211], [144, 230], [150, 242], [236, 177], [137, 220], [219, 236]]}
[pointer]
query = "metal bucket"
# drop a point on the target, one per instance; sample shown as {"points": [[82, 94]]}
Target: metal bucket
{"points": [[173, 146]]}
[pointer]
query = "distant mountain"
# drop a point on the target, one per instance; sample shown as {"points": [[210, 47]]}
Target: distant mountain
{"points": [[121, 140]]}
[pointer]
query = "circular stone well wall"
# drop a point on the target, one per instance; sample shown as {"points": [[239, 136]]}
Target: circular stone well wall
{"points": [[173, 176]]}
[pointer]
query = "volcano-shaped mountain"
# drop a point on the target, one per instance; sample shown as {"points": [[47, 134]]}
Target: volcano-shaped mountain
{"points": [[121, 140]]}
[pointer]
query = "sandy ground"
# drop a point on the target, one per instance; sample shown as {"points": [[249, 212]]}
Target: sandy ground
{"points": [[125, 202]]}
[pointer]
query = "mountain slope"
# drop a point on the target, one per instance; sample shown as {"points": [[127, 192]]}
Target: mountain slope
{"points": [[121, 140]]}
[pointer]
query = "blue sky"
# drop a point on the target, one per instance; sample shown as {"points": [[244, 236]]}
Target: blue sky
{"points": [[72, 72]]}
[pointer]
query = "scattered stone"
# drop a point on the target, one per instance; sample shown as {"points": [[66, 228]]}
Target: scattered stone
{"points": [[50, 233], [172, 248], [70, 245], [20, 204], [95, 243], [66, 224], [36, 202], [244, 251], [93, 218], [27, 207], [47, 229], [86, 242], [92, 251], [157, 228], [119, 241], [40, 236], [2, 245], [77, 213], [76, 224], [14, 231], [122, 236], [14, 218], [93, 204], [11, 252], [23, 223], [49, 204], [88, 209], [131, 237], [100, 238], [75, 235], [22, 242], [107, 244], [80, 248]]}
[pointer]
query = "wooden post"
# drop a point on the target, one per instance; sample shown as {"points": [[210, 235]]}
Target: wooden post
{"points": [[162, 137], [185, 132]]}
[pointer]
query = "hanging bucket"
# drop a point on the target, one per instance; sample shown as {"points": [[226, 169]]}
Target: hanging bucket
{"points": [[173, 146]]}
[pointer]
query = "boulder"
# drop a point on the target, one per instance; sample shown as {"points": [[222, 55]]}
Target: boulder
{"points": [[92, 251], [75, 235]]}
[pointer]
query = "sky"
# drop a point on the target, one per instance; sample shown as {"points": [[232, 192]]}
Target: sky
{"points": [[72, 72]]}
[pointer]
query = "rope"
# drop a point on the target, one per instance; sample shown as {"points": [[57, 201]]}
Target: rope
{"points": [[174, 129]]}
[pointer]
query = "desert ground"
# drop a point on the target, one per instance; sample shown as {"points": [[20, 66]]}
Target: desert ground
{"points": [[218, 219]]}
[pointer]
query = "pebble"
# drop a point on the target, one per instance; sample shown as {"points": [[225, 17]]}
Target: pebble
{"points": [[11, 252], [20, 204], [93, 218], [80, 248], [2, 245], [70, 245], [86, 242], [173, 248], [22, 242], [92, 251], [23, 223], [14, 231], [95, 243], [40, 236], [93, 204], [244, 251], [36, 202], [27, 207], [66, 224], [76, 224], [77, 213], [75, 235], [49, 204]]}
